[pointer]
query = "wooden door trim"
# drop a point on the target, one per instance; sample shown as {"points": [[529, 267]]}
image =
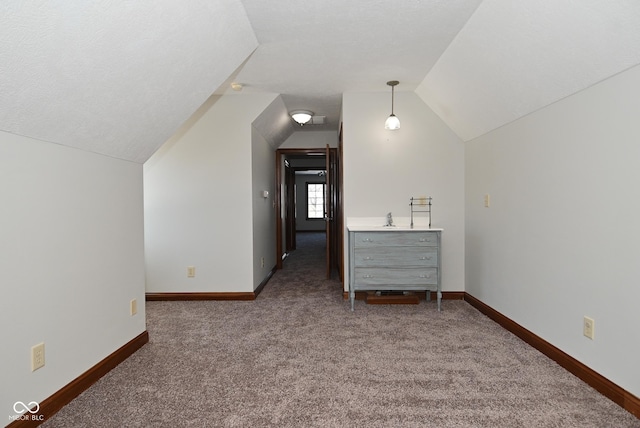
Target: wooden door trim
{"points": [[278, 193]]}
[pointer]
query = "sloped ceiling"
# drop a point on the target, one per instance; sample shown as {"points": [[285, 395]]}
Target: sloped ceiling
{"points": [[114, 77], [274, 123], [120, 77], [515, 57]]}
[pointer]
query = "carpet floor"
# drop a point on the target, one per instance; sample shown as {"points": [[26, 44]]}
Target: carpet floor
{"points": [[298, 357]]}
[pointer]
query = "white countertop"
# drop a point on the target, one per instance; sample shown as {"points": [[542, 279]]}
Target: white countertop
{"points": [[369, 228]]}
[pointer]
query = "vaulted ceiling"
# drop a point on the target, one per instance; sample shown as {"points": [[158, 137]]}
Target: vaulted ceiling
{"points": [[119, 78], [114, 77]]}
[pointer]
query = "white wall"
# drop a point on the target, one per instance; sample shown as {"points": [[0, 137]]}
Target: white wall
{"points": [[384, 169], [263, 165], [71, 259], [199, 201], [310, 140], [560, 239]]}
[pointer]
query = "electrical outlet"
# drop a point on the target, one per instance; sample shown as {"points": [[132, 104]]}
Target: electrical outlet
{"points": [[191, 271], [588, 327], [262, 262], [133, 307], [37, 356], [487, 200]]}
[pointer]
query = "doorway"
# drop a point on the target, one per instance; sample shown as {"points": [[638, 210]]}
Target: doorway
{"points": [[313, 163]]}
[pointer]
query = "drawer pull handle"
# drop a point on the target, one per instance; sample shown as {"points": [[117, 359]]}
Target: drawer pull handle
{"points": [[367, 276], [425, 276], [425, 258], [368, 258], [367, 240]]}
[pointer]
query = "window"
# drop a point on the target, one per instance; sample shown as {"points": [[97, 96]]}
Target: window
{"points": [[315, 200]]}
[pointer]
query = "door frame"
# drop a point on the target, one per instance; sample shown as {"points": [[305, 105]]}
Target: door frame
{"points": [[280, 205]]}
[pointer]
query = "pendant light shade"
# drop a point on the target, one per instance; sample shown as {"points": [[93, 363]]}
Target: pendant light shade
{"points": [[392, 123]]}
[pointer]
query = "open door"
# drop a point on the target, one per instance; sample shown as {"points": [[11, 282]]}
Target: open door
{"points": [[331, 209], [290, 208], [328, 214]]}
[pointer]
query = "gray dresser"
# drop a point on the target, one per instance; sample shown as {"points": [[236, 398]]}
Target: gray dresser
{"points": [[394, 259]]}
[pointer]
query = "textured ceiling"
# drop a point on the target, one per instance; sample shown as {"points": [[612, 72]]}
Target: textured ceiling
{"points": [[119, 78], [114, 77], [312, 52], [274, 123], [515, 57]]}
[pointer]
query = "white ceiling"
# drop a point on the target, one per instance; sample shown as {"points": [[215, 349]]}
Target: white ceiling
{"points": [[119, 78], [515, 57], [312, 52], [111, 76]]}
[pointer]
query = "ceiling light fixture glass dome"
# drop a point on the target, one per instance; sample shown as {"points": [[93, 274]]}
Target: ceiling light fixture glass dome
{"points": [[301, 116]]}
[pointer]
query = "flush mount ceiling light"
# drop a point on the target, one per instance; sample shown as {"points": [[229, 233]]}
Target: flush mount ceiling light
{"points": [[301, 116], [392, 122]]}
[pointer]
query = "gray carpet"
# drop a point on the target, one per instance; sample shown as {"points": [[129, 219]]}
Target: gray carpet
{"points": [[298, 357]]}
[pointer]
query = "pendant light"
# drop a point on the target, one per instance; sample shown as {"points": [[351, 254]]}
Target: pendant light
{"points": [[392, 122]]}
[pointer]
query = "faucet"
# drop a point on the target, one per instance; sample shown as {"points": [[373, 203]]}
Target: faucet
{"points": [[389, 220]]}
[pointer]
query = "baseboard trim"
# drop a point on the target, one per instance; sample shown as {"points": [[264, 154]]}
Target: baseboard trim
{"points": [[171, 296], [604, 386], [260, 287], [50, 406], [199, 296]]}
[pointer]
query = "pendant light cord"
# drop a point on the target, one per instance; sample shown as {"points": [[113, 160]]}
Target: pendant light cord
{"points": [[392, 93]]}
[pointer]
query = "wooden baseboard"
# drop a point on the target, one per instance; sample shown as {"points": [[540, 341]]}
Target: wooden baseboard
{"points": [[199, 296], [64, 396], [615, 393], [450, 295], [260, 287], [169, 296]]}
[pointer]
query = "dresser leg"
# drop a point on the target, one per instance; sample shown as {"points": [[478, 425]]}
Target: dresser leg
{"points": [[439, 300]]}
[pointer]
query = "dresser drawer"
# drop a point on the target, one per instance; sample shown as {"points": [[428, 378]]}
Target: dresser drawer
{"points": [[392, 239], [396, 256], [392, 278]]}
